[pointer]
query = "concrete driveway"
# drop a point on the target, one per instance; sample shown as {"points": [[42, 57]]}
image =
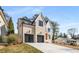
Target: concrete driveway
{"points": [[52, 48]]}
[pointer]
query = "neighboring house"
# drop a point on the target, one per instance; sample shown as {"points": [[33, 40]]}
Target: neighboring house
{"points": [[37, 30], [3, 24]]}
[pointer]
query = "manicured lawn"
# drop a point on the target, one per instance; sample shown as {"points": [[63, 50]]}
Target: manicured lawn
{"points": [[19, 48]]}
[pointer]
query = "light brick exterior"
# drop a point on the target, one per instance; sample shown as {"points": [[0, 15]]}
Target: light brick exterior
{"points": [[34, 29]]}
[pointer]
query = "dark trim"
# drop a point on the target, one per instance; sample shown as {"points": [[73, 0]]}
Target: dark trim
{"points": [[40, 38], [29, 24], [29, 38]]}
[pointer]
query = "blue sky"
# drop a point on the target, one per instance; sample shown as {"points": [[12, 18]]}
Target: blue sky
{"points": [[66, 16]]}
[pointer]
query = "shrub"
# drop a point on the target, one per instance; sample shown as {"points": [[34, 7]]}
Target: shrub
{"points": [[4, 39], [0, 38], [12, 39]]}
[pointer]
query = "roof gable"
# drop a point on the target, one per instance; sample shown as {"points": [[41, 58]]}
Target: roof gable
{"points": [[40, 16]]}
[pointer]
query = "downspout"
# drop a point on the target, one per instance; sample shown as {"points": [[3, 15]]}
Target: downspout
{"points": [[22, 32]]}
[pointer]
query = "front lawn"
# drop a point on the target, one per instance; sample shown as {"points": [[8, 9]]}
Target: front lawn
{"points": [[19, 48]]}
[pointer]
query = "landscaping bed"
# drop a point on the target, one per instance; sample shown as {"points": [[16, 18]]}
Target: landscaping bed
{"points": [[66, 45], [19, 48]]}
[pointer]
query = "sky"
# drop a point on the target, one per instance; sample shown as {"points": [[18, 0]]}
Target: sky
{"points": [[66, 16]]}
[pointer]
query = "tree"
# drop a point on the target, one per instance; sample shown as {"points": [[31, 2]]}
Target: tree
{"points": [[55, 30], [60, 35], [72, 32], [64, 35], [10, 26]]}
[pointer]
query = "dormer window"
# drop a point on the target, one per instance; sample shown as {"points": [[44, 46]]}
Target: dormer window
{"points": [[40, 23]]}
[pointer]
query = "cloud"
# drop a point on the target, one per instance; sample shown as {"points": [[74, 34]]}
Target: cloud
{"points": [[28, 10], [18, 11], [65, 27], [23, 10], [69, 25], [38, 10]]}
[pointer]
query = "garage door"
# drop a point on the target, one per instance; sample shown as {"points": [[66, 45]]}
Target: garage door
{"points": [[40, 38], [29, 38]]}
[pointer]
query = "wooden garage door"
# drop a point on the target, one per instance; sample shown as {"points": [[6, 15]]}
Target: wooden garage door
{"points": [[40, 38], [29, 38]]}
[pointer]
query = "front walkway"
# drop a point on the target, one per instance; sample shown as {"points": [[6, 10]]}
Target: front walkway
{"points": [[52, 48]]}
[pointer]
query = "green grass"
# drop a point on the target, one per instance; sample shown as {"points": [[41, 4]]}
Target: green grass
{"points": [[19, 48]]}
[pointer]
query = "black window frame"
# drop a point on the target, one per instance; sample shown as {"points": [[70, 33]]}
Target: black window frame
{"points": [[40, 23], [49, 29]]}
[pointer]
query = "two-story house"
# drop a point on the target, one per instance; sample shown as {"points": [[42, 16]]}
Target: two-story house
{"points": [[3, 23], [37, 30]]}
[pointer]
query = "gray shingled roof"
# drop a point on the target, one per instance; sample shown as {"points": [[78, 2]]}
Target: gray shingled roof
{"points": [[32, 20], [1, 8]]}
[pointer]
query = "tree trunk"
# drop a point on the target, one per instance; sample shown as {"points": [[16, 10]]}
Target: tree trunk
{"points": [[53, 38]]}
